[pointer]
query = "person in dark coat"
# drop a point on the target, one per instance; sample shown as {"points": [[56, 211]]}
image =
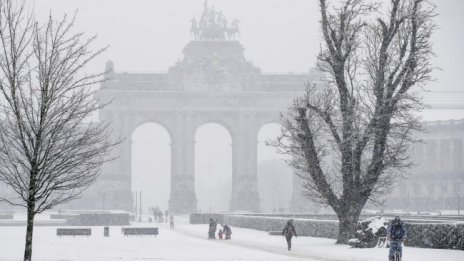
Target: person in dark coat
{"points": [[166, 215], [396, 234], [212, 229], [171, 221], [227, 231], [289, 231]]}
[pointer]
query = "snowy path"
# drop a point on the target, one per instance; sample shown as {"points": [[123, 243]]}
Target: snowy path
{"points": [[188, 242], [321, 249], [167, 246]]}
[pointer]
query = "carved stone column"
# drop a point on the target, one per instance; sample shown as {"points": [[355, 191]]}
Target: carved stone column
{"points": [[245, 166], [431, 154], [418, 156], [112, 190], [457, 155], [444, 155], [183, 199]]}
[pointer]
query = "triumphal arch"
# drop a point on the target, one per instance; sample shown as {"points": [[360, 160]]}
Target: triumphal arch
{"points": [[214, 82]]}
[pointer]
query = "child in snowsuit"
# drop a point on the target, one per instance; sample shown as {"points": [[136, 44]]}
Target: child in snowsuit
{"points": [[220, 234]]}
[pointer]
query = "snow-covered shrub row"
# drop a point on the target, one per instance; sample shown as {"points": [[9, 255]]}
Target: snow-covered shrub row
{"points": [[304, 227], [445, 236], [369, 231], [6, 216], [426, 235], [296, 215], [101, 219], [62, 216], [203, 218]]}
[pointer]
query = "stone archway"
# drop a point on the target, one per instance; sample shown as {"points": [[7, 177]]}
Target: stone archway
{"points": [[151, 164], [184, 98], [213, 167], [274, 176]]}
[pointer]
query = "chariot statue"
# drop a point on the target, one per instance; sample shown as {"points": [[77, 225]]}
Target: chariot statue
{"points": [[213, 26]]}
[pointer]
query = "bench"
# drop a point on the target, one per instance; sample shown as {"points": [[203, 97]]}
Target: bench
{"points": [[73, 232], [139, 231], [275, 233]]}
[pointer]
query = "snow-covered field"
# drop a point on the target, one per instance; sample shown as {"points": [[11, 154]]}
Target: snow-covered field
{"points": [[188, 242]]}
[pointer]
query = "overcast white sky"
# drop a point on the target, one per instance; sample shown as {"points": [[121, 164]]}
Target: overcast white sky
{"points": [[278, 36]]}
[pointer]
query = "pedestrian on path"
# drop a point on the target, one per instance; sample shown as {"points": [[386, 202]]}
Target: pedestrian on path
{"points": [[289, 231], [227, 231], [212, 229], [171, 221]]}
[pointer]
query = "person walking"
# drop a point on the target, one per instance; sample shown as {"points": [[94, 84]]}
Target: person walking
{"points": [[289, 231], [212, 229], [396, 234], [227, 231], [171, 221]]}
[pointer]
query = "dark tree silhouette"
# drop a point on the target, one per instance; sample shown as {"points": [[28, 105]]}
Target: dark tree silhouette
{"points": [[350, 138]]}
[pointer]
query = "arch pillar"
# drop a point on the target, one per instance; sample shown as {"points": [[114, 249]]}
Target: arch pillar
{"points": [[112, 190], [119, 188], [457, 155], [245, 194], [183, 199], [431, 155], [444, 155]]}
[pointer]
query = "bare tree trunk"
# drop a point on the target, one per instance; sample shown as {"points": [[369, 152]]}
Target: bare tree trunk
{"points": [[347, 222], [29, 231]]}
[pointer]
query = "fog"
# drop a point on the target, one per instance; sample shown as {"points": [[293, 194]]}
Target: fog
{"points": [[278, 36]]}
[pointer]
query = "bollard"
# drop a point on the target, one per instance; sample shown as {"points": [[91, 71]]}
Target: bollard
{"points": [[106, 231]]}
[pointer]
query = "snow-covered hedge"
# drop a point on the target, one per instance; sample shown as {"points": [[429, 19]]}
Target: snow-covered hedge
{"points": [[303, 227], [203, 218], [426, 235], [369, 231], [6, 216], [99, 219], [62, 216], [445, 236]]}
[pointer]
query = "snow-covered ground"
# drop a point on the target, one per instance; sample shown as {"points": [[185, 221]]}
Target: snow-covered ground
{"points": [[188, 242]]}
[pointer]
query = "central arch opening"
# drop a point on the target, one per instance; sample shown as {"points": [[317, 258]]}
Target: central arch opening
{"points": [[213, 168], [151, 166], [274, 175]]}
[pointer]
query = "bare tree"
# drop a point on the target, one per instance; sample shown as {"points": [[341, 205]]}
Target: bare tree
{"points": [[50, 151], [350, 139]]}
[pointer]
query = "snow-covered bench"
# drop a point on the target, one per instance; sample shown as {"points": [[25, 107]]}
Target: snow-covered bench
{"points": [[139, 231], [73, 231]]}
